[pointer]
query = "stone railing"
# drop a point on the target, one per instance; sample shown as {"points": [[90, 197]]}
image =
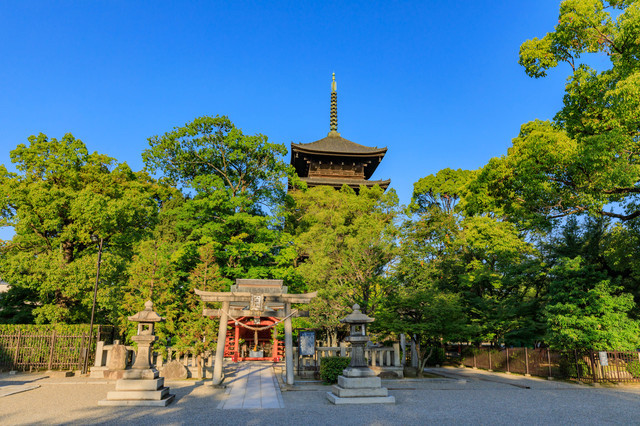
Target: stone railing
{"points": [[380, 359], [197, 365]]}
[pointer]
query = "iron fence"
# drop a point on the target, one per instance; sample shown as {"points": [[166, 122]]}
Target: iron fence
{"points": [[34, 350], [585, 366]]}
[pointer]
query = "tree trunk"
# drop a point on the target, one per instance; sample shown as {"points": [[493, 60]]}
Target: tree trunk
{"points": [[67, 252]]}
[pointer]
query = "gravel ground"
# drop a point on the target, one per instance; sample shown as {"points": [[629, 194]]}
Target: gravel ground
{"points": [[464, 397]]}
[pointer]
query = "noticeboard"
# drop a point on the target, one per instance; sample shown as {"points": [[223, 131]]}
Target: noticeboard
{"points": [[604, 361], [307, 343]]}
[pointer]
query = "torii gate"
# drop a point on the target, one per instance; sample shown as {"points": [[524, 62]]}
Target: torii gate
{"points": [[255, 298]]}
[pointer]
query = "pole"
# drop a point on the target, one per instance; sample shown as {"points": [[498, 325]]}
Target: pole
{"points": [[222, 338], [93, 309], [288, 344]]}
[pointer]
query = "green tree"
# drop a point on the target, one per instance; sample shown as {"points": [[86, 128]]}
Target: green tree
{"points": [[586, 311], [482, 261], [586, 159], [60, 197], [346, 242], [234, 185]]}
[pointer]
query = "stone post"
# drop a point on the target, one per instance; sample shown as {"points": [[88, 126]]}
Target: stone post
{"points": [[99, 354], [288, 343], [222, 338], [396, 355]]}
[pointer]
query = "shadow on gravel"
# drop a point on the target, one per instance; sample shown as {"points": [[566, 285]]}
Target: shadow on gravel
{"points": [[21, 381]]}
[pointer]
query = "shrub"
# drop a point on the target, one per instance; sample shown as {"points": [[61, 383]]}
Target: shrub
{"points": [[634, 368], [570, 369], [331, 367], [438, 357]]}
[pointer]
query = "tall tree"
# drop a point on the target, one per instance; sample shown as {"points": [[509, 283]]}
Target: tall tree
{"points": [[234, 184], [586, 159], [61, 197], [346, 242], [480, 261]]}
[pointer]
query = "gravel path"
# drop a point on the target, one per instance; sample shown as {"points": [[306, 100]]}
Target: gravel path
{"points": [[464, 397]]}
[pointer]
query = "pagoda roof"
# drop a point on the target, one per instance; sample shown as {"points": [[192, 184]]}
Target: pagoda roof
{"points": [[336, 145]]}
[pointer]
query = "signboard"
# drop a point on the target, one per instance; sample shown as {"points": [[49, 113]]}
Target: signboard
{"points": [[604, 361], [307, 343]]}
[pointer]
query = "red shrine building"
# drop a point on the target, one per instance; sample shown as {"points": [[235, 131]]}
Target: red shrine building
{"points": [[335, 161], [255, 338]]}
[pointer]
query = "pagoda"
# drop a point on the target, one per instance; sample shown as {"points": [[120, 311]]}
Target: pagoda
{"points": [[336, 161]]}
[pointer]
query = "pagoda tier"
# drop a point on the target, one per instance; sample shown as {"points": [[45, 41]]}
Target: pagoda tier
{"points": [[336, 161]]}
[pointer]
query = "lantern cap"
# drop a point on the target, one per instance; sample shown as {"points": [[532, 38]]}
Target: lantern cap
{"points": [[147, 315], [357, 317]]}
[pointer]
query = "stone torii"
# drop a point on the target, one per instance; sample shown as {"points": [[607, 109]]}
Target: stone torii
{"points": [[249, 297]]}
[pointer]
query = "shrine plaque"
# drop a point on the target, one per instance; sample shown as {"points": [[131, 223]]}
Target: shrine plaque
{"points": [[307, 343]]}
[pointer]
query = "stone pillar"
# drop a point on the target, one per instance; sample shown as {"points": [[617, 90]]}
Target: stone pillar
{"points": [[222, 338], [343, 349], [396, 355], [288, 343], [414, 354], [99, 354]]}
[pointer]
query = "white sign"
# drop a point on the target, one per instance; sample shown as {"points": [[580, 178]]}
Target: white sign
{"points": [[604, 361]]}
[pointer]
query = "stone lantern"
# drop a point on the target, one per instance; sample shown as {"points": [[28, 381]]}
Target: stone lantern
{"points": [[358, 338], [359, 384], [141, 385], [142, 368]]}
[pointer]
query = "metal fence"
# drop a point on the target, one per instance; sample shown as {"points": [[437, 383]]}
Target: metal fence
{"points": [[35, 350], [585, 366]]}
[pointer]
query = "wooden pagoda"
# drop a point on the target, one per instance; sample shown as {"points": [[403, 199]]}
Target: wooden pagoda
{"points": [[336, 161]]}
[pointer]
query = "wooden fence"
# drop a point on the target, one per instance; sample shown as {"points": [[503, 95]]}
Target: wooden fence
{"points": [[33, 350], [585, 366]]}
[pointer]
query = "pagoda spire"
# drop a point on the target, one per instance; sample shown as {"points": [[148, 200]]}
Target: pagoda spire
{"points": [[333, 122]]}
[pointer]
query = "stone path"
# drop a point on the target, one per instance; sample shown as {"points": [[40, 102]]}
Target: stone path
{"points": [[253, 386]]}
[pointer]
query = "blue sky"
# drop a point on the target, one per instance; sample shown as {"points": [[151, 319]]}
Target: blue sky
{"points": [[437, 82]]}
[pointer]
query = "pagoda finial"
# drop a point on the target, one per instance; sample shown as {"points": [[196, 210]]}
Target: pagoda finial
{"points": [[333, 122]]}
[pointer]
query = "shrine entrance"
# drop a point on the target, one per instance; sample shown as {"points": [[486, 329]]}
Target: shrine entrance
{"points": [[254, 339], [252, 309]]}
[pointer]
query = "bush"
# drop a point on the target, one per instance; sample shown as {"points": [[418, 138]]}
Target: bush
{"points": [[438, 357], [331, 367], [569, 368], [634, 368]]}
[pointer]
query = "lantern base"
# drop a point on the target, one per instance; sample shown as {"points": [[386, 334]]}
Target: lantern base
{"points": [[359, 385], [141, 374], [334, 399]]}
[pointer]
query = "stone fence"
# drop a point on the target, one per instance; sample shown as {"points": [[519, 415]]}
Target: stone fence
{"points": [[380, 359], [196, 365]]}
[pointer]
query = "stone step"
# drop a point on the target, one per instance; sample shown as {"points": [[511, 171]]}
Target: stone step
{"points": [[361, 392], [139, 385], [361, 400], [138, 395], [137, 402]]}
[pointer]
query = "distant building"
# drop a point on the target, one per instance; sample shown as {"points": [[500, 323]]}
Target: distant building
{"points": [[336, 161], [4, 287]]}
